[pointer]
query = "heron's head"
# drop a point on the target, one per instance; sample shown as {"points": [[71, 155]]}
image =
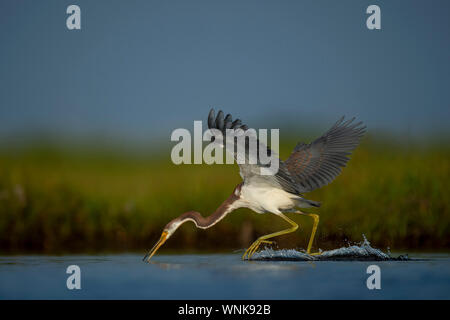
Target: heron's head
{"points": [[169, 229]]}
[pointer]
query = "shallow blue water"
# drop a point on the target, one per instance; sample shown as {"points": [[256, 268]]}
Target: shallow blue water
{"points": [[220, 276]]}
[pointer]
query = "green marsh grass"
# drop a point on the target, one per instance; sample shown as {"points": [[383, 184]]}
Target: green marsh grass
{"points": [[54, 200]]}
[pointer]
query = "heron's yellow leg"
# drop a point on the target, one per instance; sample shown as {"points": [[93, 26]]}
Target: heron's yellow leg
{"points": [[255, 247], [263, 239], [313, 233]]}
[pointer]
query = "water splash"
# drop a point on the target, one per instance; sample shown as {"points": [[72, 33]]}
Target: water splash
{"points": [[284, 254], [361, 252]]}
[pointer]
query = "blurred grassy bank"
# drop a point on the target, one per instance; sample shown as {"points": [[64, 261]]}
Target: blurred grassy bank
{"points": [[82, 201]]}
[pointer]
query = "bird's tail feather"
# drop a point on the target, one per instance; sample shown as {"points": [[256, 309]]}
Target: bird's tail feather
{"points": [[305, 203]]}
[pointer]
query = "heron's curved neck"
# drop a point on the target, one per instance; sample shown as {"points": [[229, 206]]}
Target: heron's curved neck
{"points": [[226, 207]]}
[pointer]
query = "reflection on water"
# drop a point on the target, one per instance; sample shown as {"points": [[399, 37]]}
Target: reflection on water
{"points": [[219, 277]]}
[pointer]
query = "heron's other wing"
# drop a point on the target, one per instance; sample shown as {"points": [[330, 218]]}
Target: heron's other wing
{"points": [[314, 165], [250, 164]]}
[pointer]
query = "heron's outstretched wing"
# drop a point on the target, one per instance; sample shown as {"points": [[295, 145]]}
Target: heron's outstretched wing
{"points": [[280, 178], [314, 165]]}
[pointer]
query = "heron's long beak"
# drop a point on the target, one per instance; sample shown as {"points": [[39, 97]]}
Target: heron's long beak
{"points": [[155, 248]]}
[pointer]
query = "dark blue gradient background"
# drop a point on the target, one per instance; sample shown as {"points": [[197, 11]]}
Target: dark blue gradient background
{"points": [[139, 69]]}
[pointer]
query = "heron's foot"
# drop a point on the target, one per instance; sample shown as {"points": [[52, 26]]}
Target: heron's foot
{"points": [[252, 249], [314, 253]]}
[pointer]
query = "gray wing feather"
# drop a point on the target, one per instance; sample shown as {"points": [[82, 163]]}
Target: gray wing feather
{"points": [[314, 165], [280, 179]]}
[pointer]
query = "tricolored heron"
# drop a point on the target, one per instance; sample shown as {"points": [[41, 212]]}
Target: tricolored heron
{"points": [[309, 167]]}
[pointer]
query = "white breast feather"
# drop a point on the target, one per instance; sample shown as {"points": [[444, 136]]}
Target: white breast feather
{"points": [[266, 199]]}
